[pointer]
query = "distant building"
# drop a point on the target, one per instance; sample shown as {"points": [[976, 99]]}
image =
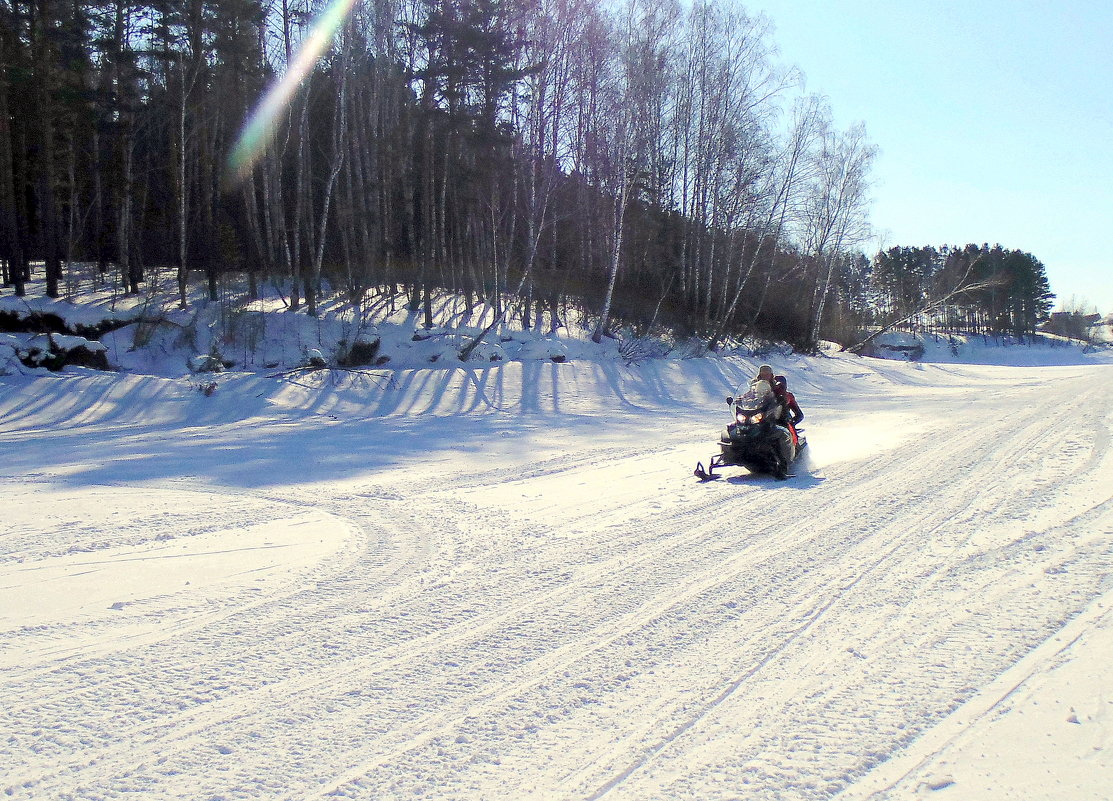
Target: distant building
{"points": [[1061, 318], [1072, 324], [1102, 330]]}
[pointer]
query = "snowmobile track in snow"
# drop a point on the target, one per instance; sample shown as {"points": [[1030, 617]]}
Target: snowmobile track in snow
{"points": [[565, 633]]}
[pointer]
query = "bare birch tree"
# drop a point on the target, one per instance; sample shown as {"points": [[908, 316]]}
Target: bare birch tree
{"points": [[835, 213]]}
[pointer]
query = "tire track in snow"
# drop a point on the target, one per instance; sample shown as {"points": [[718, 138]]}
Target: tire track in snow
{"points": [[77, 680], [671, 571], [332, 677], [944, 522], [245, 601], [181, 730]]}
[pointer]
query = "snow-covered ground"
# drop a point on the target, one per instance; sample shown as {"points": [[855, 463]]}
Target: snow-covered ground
{"points": [[503, 582]]}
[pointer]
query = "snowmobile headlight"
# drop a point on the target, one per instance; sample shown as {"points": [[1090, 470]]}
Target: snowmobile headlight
{"points": [[757, 418], [741, 418]]}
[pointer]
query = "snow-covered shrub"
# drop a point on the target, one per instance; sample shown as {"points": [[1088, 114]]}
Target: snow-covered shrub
{"points": [[544, 349], [206, 363], [314, 358], [692, 348], [487, 352], [640, 349], [9, 354], [447, 352], [429, 333], [898, 345], [11, 320], [59, 350], [359, 353]]}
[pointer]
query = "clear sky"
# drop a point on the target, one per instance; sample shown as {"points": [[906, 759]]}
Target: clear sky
{"points": [[994, 120]]}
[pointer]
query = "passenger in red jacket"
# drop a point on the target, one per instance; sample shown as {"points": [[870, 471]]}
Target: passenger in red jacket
{"points": [[791, 414]]}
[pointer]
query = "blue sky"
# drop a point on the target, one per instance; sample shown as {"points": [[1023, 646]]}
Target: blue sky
{"points": [[994, 121]]}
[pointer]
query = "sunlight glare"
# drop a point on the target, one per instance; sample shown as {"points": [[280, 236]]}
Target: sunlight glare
{"points": [[260, 126]]}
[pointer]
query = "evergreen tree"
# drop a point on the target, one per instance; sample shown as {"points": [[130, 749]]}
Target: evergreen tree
{"points": [[14, 69]]}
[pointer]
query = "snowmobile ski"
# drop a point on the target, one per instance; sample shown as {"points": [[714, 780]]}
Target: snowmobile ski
{"points": [[705, 475]]}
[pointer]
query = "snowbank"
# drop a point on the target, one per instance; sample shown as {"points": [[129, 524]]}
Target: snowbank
{"points": [[1041, 350]]}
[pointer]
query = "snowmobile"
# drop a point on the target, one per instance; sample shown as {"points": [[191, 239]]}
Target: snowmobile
{"points": [[752, 440]]}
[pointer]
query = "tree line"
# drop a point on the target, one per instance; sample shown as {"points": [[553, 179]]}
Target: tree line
{"points": [[990, 289], [646, 162]]}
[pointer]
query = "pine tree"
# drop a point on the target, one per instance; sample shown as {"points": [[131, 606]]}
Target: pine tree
{"points": [[13, 230]]}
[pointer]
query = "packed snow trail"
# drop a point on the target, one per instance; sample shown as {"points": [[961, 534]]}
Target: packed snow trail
{"points": [[537, 604]]}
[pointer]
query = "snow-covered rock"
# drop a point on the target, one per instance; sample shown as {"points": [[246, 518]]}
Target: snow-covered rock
{"points": [[205, 363], [57, 351], [314, 358], [545, 348], [488, 352]]}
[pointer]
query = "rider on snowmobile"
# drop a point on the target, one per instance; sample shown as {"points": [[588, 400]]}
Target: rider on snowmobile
{"points": [[786, 432], [791, 413]]}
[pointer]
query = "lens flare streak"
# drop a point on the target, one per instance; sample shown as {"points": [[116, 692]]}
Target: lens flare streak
{"points": [[260, 126]]}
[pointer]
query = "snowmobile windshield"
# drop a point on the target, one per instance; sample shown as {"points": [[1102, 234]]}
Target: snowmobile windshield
{"points": [[756, 396]]}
